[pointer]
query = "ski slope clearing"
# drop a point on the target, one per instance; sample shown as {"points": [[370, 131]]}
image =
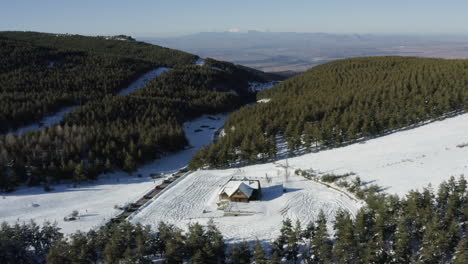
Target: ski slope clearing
{"points": [[45, 122], [95, 202], [402, 161], [195, 199], [58, 116], [258, 86], [140, 82], [200, 62]]}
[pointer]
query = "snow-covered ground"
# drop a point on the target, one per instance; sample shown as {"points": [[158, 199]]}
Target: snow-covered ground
{"points": [[402, 161], [140, 82], [45, 122], [200, 62], [258, 86], [95, 202], [265, 100], [399, 162], [195, 199]]}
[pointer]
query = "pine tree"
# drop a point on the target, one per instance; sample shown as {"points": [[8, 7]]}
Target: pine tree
{"points": [[114, 249], [402, 245], [175, 249], [321, 245], [344, 249], [245, 253], [79, 172], [235, 254], [195, 239], [433, 243], [129, 163], [215, 238], [108, 165], [198, 258], [259, 253], [275, 258], [285, 232], [461, 251], [309, 231], [59, 253]]}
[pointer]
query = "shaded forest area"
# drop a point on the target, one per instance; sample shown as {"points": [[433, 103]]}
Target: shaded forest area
{"points": [[339, 102], [108, 132], [423, 227]]}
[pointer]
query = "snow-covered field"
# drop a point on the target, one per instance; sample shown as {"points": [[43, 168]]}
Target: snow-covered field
{"points": [[402, 161], [95, 202], [195, 199]]}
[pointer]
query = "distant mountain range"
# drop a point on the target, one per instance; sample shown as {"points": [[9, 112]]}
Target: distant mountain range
{"points": [[290, 51]]}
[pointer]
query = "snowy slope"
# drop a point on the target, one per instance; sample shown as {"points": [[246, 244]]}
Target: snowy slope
{"points": [[95, 201], [45, 122], [195, 199], [403, 160]]}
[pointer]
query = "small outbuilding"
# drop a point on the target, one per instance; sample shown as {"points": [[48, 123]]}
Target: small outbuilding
{"points": [[240, 190]]}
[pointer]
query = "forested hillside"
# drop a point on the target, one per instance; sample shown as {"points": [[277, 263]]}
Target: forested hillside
{"points": [[109, 131], [41, 73], [340, 102]]}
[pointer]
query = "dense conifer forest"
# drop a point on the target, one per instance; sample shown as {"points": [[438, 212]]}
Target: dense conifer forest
{"points": [[423, 227], [339, 102], [108, 132], [41, 73]]}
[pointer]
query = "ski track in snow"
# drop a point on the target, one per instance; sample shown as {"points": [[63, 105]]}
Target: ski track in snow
{"points": [[58, 116], [194, 200]]}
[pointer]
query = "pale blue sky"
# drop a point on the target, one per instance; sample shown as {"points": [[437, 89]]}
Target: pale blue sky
{"points": [[176, 17]]}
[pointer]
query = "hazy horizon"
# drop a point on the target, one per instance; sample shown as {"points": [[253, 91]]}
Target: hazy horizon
{"points": [[147, 18]]}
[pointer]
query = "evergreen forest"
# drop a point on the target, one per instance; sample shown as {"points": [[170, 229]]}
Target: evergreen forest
{"points": [[339, 102]]}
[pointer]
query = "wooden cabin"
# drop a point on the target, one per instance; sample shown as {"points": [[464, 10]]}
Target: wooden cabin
{"points": [[240, 190]]}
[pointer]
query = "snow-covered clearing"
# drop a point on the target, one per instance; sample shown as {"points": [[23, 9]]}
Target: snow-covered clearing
{"points": [[257, 86], [195, 199], [58, 116], [140, 82], [200, 62], [45, 122], [402, 161], [95, 202], [264, 100]]}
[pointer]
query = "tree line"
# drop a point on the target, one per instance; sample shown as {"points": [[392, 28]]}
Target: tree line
{"points": [[339, 102], [423, 227]]}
